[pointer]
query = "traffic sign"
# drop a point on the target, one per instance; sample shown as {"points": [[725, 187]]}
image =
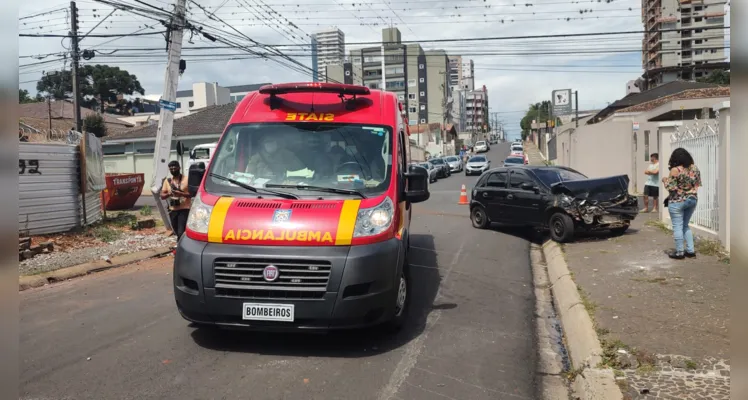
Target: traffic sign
{"points": [[561, 101], [168, 105]]}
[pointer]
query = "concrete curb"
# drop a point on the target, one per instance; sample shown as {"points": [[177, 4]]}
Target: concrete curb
{"points": [[582, 343], [32, 281]]}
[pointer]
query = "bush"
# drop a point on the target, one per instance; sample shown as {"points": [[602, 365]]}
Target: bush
{"points": [[94, 123]]}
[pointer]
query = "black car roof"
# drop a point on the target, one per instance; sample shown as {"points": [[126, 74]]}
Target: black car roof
{"points": [[535, 167]]}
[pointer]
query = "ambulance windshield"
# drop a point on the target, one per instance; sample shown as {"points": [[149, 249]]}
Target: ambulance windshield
{"points": [[339, 156]]}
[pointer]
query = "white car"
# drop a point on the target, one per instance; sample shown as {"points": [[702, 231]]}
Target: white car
{"points": [[481, 147], [517, 148]]}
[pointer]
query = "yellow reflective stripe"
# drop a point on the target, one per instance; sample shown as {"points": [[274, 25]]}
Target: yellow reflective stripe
{"points": [[401, 228], [347, 222], [217, 218]]}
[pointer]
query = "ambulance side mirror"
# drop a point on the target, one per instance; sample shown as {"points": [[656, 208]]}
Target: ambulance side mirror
{"points": [[418, 184], [195, 177]]}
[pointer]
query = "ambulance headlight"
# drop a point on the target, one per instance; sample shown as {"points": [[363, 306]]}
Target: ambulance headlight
{"points": [[374, 220], [199, 217]]}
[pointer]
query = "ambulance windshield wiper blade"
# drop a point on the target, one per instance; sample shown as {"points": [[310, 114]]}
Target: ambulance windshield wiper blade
{"points": [[254, 189], [320, 189]]}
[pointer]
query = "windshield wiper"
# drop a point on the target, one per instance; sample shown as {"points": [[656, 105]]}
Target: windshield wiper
{"points": [[321, 189], [254, 189]]}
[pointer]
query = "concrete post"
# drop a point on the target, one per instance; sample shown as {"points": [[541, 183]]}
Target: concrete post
{"points": [[724, 172], [665, 129]]}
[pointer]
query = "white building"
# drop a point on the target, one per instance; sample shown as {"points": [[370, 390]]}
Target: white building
{"points": [[328, 48]]}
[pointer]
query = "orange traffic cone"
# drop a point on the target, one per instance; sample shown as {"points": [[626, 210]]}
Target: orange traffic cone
{"points": [[463, 196]]}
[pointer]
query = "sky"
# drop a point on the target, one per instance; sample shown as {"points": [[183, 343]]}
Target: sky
{"points": [[516, 72]]}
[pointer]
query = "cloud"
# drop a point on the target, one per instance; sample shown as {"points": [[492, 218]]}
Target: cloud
{"points": [[514, 77]]}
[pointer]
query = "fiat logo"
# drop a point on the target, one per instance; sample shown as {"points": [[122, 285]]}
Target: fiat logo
{"points": [[270, 273]]}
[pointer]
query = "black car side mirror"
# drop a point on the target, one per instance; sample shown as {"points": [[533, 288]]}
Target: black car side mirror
{"points": [[528, 186], [195, 177], [418, 184]]}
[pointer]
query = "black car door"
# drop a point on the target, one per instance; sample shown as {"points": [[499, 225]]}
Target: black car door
{"points": [[524, 199], [492, 194]]}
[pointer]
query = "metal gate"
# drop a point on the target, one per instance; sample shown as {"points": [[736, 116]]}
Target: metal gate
{"points": [[701, 139]]}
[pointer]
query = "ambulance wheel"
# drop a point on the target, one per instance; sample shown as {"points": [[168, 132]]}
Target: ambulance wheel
{"points": [[402, 301]]}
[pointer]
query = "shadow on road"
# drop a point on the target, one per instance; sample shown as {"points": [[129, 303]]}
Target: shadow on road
{"points": [[348, 344], [530, 234]]}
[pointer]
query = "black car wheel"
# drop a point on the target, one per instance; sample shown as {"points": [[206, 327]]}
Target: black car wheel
{"points": [[561, 227], [479, 218], [402, 301]]}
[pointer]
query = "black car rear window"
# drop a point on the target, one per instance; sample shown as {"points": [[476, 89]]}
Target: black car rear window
{"points": [[549, 176], [437, 161]]}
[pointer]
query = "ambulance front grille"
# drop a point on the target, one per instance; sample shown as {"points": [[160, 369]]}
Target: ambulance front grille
{"points": [[297, 279]]}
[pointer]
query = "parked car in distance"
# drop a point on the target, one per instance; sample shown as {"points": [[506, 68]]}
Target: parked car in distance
{"points": [[514, 160], [455, 163], [521, 154], [481, 146], [518, 147], [442, 166], [559, 199], [477, 165], [432, 170]]}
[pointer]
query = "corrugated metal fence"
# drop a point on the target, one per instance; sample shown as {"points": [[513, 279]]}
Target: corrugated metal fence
{"points": [[49, 189]]}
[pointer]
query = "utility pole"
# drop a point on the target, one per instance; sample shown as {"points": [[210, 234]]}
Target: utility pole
{"points": [[576, 101], [168, 106], [76, 57]]}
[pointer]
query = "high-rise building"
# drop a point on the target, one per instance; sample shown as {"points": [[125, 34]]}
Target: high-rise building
{"points": [[681, 42], [328, 48], [476, 110], [467, 81], [455, 71], [419, 77]]}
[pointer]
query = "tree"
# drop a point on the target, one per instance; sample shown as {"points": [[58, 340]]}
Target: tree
{"points": [[24, 97], [95, 124], [540, 112], [99, 85], [719, 77]]}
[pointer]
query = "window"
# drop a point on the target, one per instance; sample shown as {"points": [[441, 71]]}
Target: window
{"points": [[411, 82], [347, 73], [372, 59], [394, 70], [421, 66], [179, 105], [497, 180], [423, 94], [423, 120], [412, 110], [422, 80], [411, 96], [191, 104], [423, 107], [401, 97], [518, 178]]}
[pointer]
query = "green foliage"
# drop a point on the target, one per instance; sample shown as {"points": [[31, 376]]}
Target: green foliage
{"points": [[719, 77], [540, 112], [94, 123], [24, 97], [99, 85]]}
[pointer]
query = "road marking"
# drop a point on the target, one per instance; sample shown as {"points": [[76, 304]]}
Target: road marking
{"points": [[414, 348]]}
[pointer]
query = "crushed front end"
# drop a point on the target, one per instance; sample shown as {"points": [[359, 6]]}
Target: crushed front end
{"points": [[597, 204]]}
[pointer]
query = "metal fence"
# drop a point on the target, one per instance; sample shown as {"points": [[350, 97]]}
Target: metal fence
{"points": [[49, 189], [701, 139]]}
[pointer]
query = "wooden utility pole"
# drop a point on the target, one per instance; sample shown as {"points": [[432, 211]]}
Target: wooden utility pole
{"points": [[76, 57]]}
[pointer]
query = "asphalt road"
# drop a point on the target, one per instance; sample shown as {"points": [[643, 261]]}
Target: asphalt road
{"points": [[117, 334]]}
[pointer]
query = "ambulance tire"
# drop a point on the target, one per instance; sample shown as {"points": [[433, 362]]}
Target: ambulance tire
{"points": [[398, 319]]}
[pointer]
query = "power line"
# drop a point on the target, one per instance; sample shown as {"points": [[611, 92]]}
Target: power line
{"points": [[42, 13], [99, 36]]}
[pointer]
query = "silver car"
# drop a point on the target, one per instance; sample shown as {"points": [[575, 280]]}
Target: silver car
{"points": [[455, 163], [432, 170], [477, 165]]}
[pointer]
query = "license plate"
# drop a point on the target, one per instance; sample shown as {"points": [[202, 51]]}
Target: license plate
{"points": [[268, 312]]}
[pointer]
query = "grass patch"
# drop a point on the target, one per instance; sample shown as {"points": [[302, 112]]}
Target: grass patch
{"points": [[588, 304], [146, 210], [121, 220], [709, 247], [656, 223], [646, 369], [690, 364], [105, 233]]}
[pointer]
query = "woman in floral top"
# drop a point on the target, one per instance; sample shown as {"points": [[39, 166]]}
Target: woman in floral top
{"points": [[683, 184]]}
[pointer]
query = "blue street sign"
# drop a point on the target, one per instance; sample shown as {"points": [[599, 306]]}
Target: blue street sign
{"points": [[168, 105]]}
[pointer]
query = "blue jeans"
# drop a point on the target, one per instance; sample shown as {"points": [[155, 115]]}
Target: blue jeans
{"points": [[680, 214]]}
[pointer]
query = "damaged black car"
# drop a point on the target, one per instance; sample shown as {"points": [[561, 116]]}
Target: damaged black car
{"points": [[559, 199]]}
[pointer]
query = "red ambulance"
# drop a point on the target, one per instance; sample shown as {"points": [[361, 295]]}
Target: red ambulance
{"points": [[301, 221]]}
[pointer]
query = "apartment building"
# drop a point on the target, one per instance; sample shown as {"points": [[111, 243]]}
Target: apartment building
{"points": [[476, 110], [467, 81], [206, 94], [328, 48], [419, 77], [689, 53], [455, 71]]}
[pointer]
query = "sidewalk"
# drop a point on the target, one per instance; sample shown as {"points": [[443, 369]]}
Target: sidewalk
{"points": [[533, 154], [663, 323]]}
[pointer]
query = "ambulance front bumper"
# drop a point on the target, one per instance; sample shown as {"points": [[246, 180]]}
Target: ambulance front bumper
{"points": [[318, 288]]}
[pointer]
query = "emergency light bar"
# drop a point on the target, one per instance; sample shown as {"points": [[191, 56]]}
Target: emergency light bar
{"points": [[316, 87]]}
